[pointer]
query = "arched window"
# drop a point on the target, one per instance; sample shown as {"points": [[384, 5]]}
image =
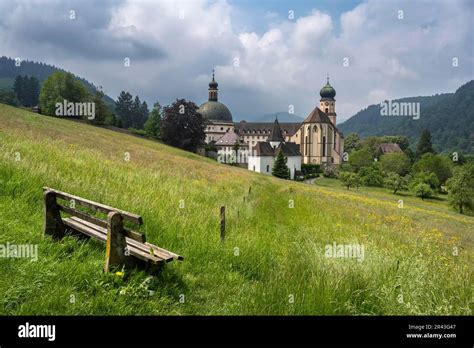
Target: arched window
{"points": [[327, 110], [324, 146]]}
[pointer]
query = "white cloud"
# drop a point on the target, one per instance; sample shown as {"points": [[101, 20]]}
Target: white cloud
{"points": [[287, 64]]}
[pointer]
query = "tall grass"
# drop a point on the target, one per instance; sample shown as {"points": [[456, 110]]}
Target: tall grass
{"points": [[272, 261]]}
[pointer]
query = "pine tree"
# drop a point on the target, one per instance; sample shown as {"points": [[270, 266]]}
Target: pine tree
{"points": [[424, 144], [123, 109], [280, 169], [19, 88], [143, 115]]}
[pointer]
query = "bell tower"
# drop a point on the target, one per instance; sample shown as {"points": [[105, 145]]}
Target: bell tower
{"points": [[327, 103], [213, 88]]}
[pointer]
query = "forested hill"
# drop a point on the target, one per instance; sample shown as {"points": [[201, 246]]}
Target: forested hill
{"points": [[8, 72], [449, 117]]}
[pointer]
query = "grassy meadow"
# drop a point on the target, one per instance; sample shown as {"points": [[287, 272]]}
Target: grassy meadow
{"points": [[418, 259]]}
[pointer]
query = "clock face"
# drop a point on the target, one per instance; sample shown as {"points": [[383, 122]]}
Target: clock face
{"points": [[326, 103]]}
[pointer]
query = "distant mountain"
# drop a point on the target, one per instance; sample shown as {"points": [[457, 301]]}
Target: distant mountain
{"points": [[283, 116], [8, 72], [449, 117]]}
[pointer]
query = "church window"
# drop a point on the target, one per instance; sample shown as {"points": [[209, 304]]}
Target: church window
{"points": [[268, 168], [222, 128], [327, 110], [324, 146]]}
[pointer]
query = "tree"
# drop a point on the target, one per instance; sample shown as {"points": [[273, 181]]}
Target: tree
{"points": [[396, 183], [32, 92], [395, 163], [123, 109], [352, 142], [371, 176], [8, 97], [26, 90], [102, 112], [182, 125], [428, 178], [143, 115], [361, 158], [424, 144], [349, 179], [461, 188], [280, 169], [59, 87], [19, 88], [153, 123], [437, 164]]}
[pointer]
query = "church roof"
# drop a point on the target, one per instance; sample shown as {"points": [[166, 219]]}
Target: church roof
{"points": [[288, 128], [317, 116], [264, 148], [214, 110], [275, 133], [228, 139], [289, 149]]}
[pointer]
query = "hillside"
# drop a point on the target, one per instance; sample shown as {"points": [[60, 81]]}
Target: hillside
{"points": [[273, 252], [8, 72], [449, 117]]}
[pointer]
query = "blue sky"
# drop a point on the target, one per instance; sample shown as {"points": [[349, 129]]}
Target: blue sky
{"points": [[254, 11], [370, 52]]}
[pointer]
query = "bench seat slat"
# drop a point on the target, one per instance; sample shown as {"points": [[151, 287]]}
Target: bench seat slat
{"points": [[100, 234], [159, 252], [136, 219], [144, 247]]}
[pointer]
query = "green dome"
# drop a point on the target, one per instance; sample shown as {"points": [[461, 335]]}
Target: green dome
{"points": [[327, 91], [214, 110]]}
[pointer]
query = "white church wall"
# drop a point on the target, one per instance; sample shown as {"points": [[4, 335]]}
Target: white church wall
{"points": [[262, 164]]}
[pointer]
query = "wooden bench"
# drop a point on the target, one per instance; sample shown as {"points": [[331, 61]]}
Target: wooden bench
{"points": [[123, 245]]}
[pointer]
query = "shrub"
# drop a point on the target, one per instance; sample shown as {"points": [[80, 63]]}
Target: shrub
{"points": [[310, 170], [422, 190]]}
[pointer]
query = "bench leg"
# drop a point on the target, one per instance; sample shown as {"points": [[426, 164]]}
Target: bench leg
{"points": [[116, 243], [53, 224]]}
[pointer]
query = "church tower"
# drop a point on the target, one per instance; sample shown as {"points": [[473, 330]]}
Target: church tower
{"points": [[327, 103], [213, 89]]}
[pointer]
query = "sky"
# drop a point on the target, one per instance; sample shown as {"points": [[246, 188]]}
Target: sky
{"points": [[268, 55]]}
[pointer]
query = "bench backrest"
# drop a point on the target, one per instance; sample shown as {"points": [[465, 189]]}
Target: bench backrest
{"points": [[134, 218]]}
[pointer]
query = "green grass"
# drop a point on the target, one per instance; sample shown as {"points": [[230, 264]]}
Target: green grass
{"points": [[408, 251]]}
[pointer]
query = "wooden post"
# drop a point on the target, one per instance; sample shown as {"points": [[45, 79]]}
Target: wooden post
{"points": [[116, 243], [222, 223], [53, 224]]}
